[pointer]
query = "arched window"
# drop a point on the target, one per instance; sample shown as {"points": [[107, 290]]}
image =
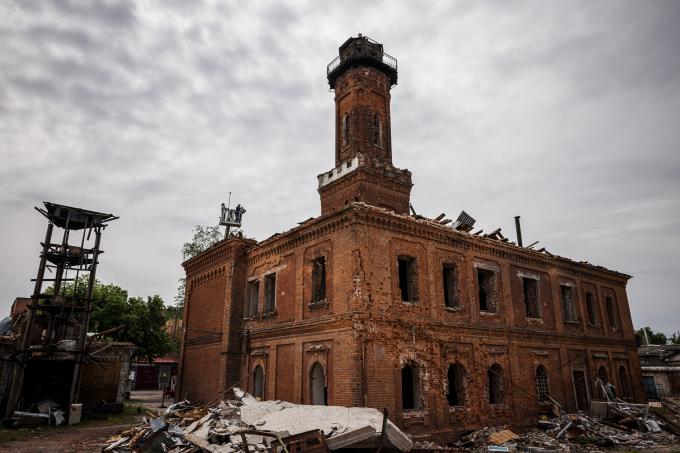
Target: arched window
{"points": [[410, 388], [345, 130], [542, 388], [456, 387], [610, 306], [377, 130], [258, 383], [623, 382], [602, 374], [495, 377], [318, 388]]}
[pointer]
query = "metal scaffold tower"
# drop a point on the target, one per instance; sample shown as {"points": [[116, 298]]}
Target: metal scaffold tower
{"points": [[52, 348]]}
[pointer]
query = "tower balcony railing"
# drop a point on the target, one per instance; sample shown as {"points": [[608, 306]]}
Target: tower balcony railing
{"points": [[359, 56]]}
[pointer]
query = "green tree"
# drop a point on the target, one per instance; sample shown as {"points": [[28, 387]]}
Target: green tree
{"points": [[204, 237], [653, 337], [145, 327], [140, 322]]}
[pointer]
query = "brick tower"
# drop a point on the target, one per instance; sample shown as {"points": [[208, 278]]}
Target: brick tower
{"points": [[362, 76]]}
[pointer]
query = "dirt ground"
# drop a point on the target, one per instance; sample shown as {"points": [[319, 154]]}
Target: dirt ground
{"points": [[84, 437]]}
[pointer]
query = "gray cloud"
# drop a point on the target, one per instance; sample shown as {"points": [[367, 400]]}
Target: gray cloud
{"points": [[562, 112]]}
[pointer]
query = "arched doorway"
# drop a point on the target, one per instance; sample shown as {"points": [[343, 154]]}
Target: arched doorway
{"points": [[318, 388], [258, 383]]}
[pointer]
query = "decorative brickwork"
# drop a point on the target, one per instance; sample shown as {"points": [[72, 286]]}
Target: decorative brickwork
{"points": [[366, 314]]}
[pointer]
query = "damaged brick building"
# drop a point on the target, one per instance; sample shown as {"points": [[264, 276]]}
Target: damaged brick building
{"points": [[370, 304]]}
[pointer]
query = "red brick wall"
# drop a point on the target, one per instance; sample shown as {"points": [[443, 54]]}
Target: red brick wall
{"points": [[366, 333]]}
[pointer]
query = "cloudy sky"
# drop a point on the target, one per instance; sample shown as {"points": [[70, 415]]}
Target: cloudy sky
{"points": [[566, 113]]}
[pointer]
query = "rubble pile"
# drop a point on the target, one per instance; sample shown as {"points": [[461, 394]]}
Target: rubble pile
{"points": [[249, 425], [562, 433]]}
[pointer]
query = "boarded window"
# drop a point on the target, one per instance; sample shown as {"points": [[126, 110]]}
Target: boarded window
{"points": [[258, 383], [407, 278], [495, 382], [318, 388], [530, 287], [568, 307], [591, 307], [486, 282], [611, 312], [410, 390], [253, 296], [269, 293], [542, 388], [450, 297], [456, 381], [319, 279]]}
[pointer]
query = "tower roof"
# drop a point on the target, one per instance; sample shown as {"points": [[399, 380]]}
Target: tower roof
{"points": [[359, 51]]}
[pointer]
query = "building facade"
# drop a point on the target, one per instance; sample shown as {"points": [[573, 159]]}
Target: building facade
{"points": [[371, 305]]}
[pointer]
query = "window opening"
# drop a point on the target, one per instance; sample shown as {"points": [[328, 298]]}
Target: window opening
{"points": [[568, 304], [590, 307], [410, 392], [377, 129], [258, 383], [495, 377], [450, 299], [319, 279], [487, 290], [318, 386], [253, 296], [345, 130], [542, 388], [456, 375], [407, 278], [623, 382], [611, 313], [269, 293], [530, 286]]}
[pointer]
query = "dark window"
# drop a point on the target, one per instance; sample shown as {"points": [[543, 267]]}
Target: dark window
{"points": [[269, 293], [407, 278], [602, 374], [495, 376], [253, 296], [542, 388], [456, 381], [611, 312], [258, 383], [410, 391], [377, 129], [450, 298], [486, 281], [531, 297], [345, 130], [591, 307], [623, 382], [319, 279], [568, 307]]}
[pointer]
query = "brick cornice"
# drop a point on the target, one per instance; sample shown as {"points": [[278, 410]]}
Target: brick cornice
{"points": [[361, 213], [218, 253], [513, 254]]}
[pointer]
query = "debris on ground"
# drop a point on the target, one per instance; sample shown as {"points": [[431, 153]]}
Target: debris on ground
{"points": [[249, 425], [621, 425]]}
